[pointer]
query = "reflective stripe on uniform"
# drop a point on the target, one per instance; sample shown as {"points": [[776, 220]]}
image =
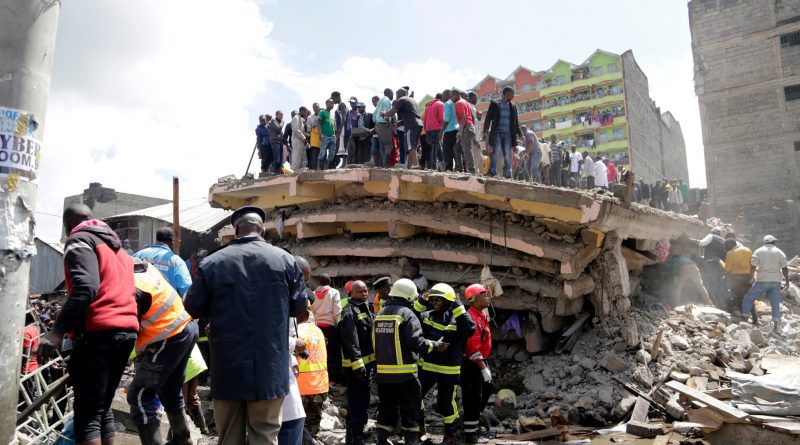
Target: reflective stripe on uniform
{"points": [[397, 369], [177, 323], [360, 363], [440, 369], [398, 319], [203, 339], [459, 310], [441, 327], [305, 367], [452, 418], [419, 307], [161, 311], [471, 426]]}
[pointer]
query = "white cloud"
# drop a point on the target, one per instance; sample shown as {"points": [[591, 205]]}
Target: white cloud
{"points": [[133, 117], [672, 87]]}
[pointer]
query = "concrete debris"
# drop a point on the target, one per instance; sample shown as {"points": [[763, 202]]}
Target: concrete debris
{"points": [[612, 362], [644, 430]]}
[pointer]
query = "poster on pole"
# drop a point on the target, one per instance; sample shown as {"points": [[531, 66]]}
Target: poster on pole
{"points": [[20, 151]]}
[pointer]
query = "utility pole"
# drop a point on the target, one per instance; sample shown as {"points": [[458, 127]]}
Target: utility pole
{"points": [[27, 40], [176, 215]]}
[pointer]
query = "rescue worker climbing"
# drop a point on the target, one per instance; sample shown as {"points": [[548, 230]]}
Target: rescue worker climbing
{"points": [[358, 359], [444, 319], [398, 340], [163, 346], [476, 378]]}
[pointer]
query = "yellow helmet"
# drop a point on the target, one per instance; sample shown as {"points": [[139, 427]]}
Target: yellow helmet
{"points": [[404, 288], [443, 290]]}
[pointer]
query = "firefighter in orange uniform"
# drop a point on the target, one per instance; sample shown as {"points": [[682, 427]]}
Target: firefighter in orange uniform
{"points": [[166, 337], [312, 378]]}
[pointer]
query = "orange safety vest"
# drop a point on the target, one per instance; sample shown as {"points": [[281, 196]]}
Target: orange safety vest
{"points": [[166, 316], [313, 376]]}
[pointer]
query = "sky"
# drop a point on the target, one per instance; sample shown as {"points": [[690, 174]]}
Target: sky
{"points": [[147, 90]]}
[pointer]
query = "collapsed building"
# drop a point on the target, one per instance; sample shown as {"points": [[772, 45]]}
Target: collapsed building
{"points": [[555, 252]]}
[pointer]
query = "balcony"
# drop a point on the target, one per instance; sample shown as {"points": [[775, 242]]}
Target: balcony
{"points": [[568, 86], [567, 108], [579, 127]]}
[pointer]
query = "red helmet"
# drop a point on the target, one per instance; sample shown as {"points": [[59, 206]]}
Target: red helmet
{"points": [[474, 289], [348, 286]]}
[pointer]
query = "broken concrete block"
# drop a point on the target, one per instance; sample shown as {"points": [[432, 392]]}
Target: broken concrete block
{"points": [[612, 362], [643, 376], [757, 337], [643, 356], [534, 382], [674, 408], [698, 383], [623, 406], [587, 363], [679, 376], [679, 342], [644, 430], [606, 396]]}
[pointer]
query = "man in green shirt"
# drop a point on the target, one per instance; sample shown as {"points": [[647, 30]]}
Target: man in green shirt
{"points": [[327, 149]]}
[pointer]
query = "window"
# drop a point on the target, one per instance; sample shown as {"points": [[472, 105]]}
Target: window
{"points": [[619, 134], [790, 39], [792, 92], [797, 146], [612, 68], [525, 88], [560, 80], [597, 71]]}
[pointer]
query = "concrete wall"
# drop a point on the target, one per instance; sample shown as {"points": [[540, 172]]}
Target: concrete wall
{"points": [[658, 150], [105, 201], [749, 129]]}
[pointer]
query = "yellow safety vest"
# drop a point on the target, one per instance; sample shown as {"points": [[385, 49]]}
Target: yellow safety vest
{"points": [[313, 377], [166, 316]]}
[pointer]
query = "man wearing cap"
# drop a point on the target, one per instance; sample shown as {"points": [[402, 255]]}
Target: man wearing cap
{"points": [[166, 261], [443, 319], [476, 378], [381, 286], [358, 359], [714, 254], [248, 290], [398, 340], [768, 264]]}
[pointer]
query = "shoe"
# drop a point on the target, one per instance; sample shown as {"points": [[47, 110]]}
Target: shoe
{"points": [[358, 437], [150, 434], [411, 437], [196, 414], [179, 428], [450, 437], [776, 328], [382, 437], [754, 316], [470, 438]]}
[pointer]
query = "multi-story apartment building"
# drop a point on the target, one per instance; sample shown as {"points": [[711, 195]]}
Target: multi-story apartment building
{"points": [[747, 80], [603, 106]]}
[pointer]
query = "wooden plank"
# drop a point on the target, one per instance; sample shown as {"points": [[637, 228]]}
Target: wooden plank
{"points": [[784, 427], [656, 345], [661, 440], [708, 400], [640, 410], [721, 394]]}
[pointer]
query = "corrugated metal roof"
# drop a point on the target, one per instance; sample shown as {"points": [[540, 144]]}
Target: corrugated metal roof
{"points": [[196, 215], [58, 247]]}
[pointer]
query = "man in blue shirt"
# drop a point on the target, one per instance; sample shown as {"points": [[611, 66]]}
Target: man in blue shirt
{"points": [[449, 131], [171, 265], [384, 126]]}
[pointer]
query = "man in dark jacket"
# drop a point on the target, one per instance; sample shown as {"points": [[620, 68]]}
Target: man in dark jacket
{"points": [[248, 290], [358, 359], [501, 130], [275, 129], [101, 313], [262, 142]]}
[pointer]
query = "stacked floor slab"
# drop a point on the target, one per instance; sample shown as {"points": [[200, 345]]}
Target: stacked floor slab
{"points": [[557, 252]]}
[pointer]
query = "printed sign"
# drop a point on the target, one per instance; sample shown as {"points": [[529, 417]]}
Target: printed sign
{"points": [[20, 151]]}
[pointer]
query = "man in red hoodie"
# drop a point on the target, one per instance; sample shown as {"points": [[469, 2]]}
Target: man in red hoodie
{"points": [[101, 315], [476, 378]]}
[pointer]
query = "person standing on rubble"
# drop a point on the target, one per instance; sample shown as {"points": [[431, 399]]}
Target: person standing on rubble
{"points": [[275, 128], [262, 142], [381, 286], [248, 290], [445, 319], [163, 346], [327, 149], [768, 264], [358, 359], [713, 255], [327, 310], [398, 340], [737, 275], [501, 129], [298, 140], [476, 378], [101, 314], [166, 261]]}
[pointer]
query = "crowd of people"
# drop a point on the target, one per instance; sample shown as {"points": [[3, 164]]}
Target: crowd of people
{"points": [[450, 134], [277, 339]]}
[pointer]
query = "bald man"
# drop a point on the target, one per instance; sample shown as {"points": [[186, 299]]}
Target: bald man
{"points": [[358, 359], [101, 313], [248, 304]]}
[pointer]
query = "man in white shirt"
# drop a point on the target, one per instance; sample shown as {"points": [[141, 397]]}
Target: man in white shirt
{"points": [[575, 160], [768, 264], [545, 161], [600, 174], [588, 171]]}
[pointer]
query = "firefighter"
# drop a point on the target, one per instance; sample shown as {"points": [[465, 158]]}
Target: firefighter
{"points": [[358, 359], [165, 342], [445, 320], [476, 378], [397, 336]]}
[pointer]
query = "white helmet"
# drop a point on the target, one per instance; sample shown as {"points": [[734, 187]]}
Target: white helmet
{"points": [[404, 288]]}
